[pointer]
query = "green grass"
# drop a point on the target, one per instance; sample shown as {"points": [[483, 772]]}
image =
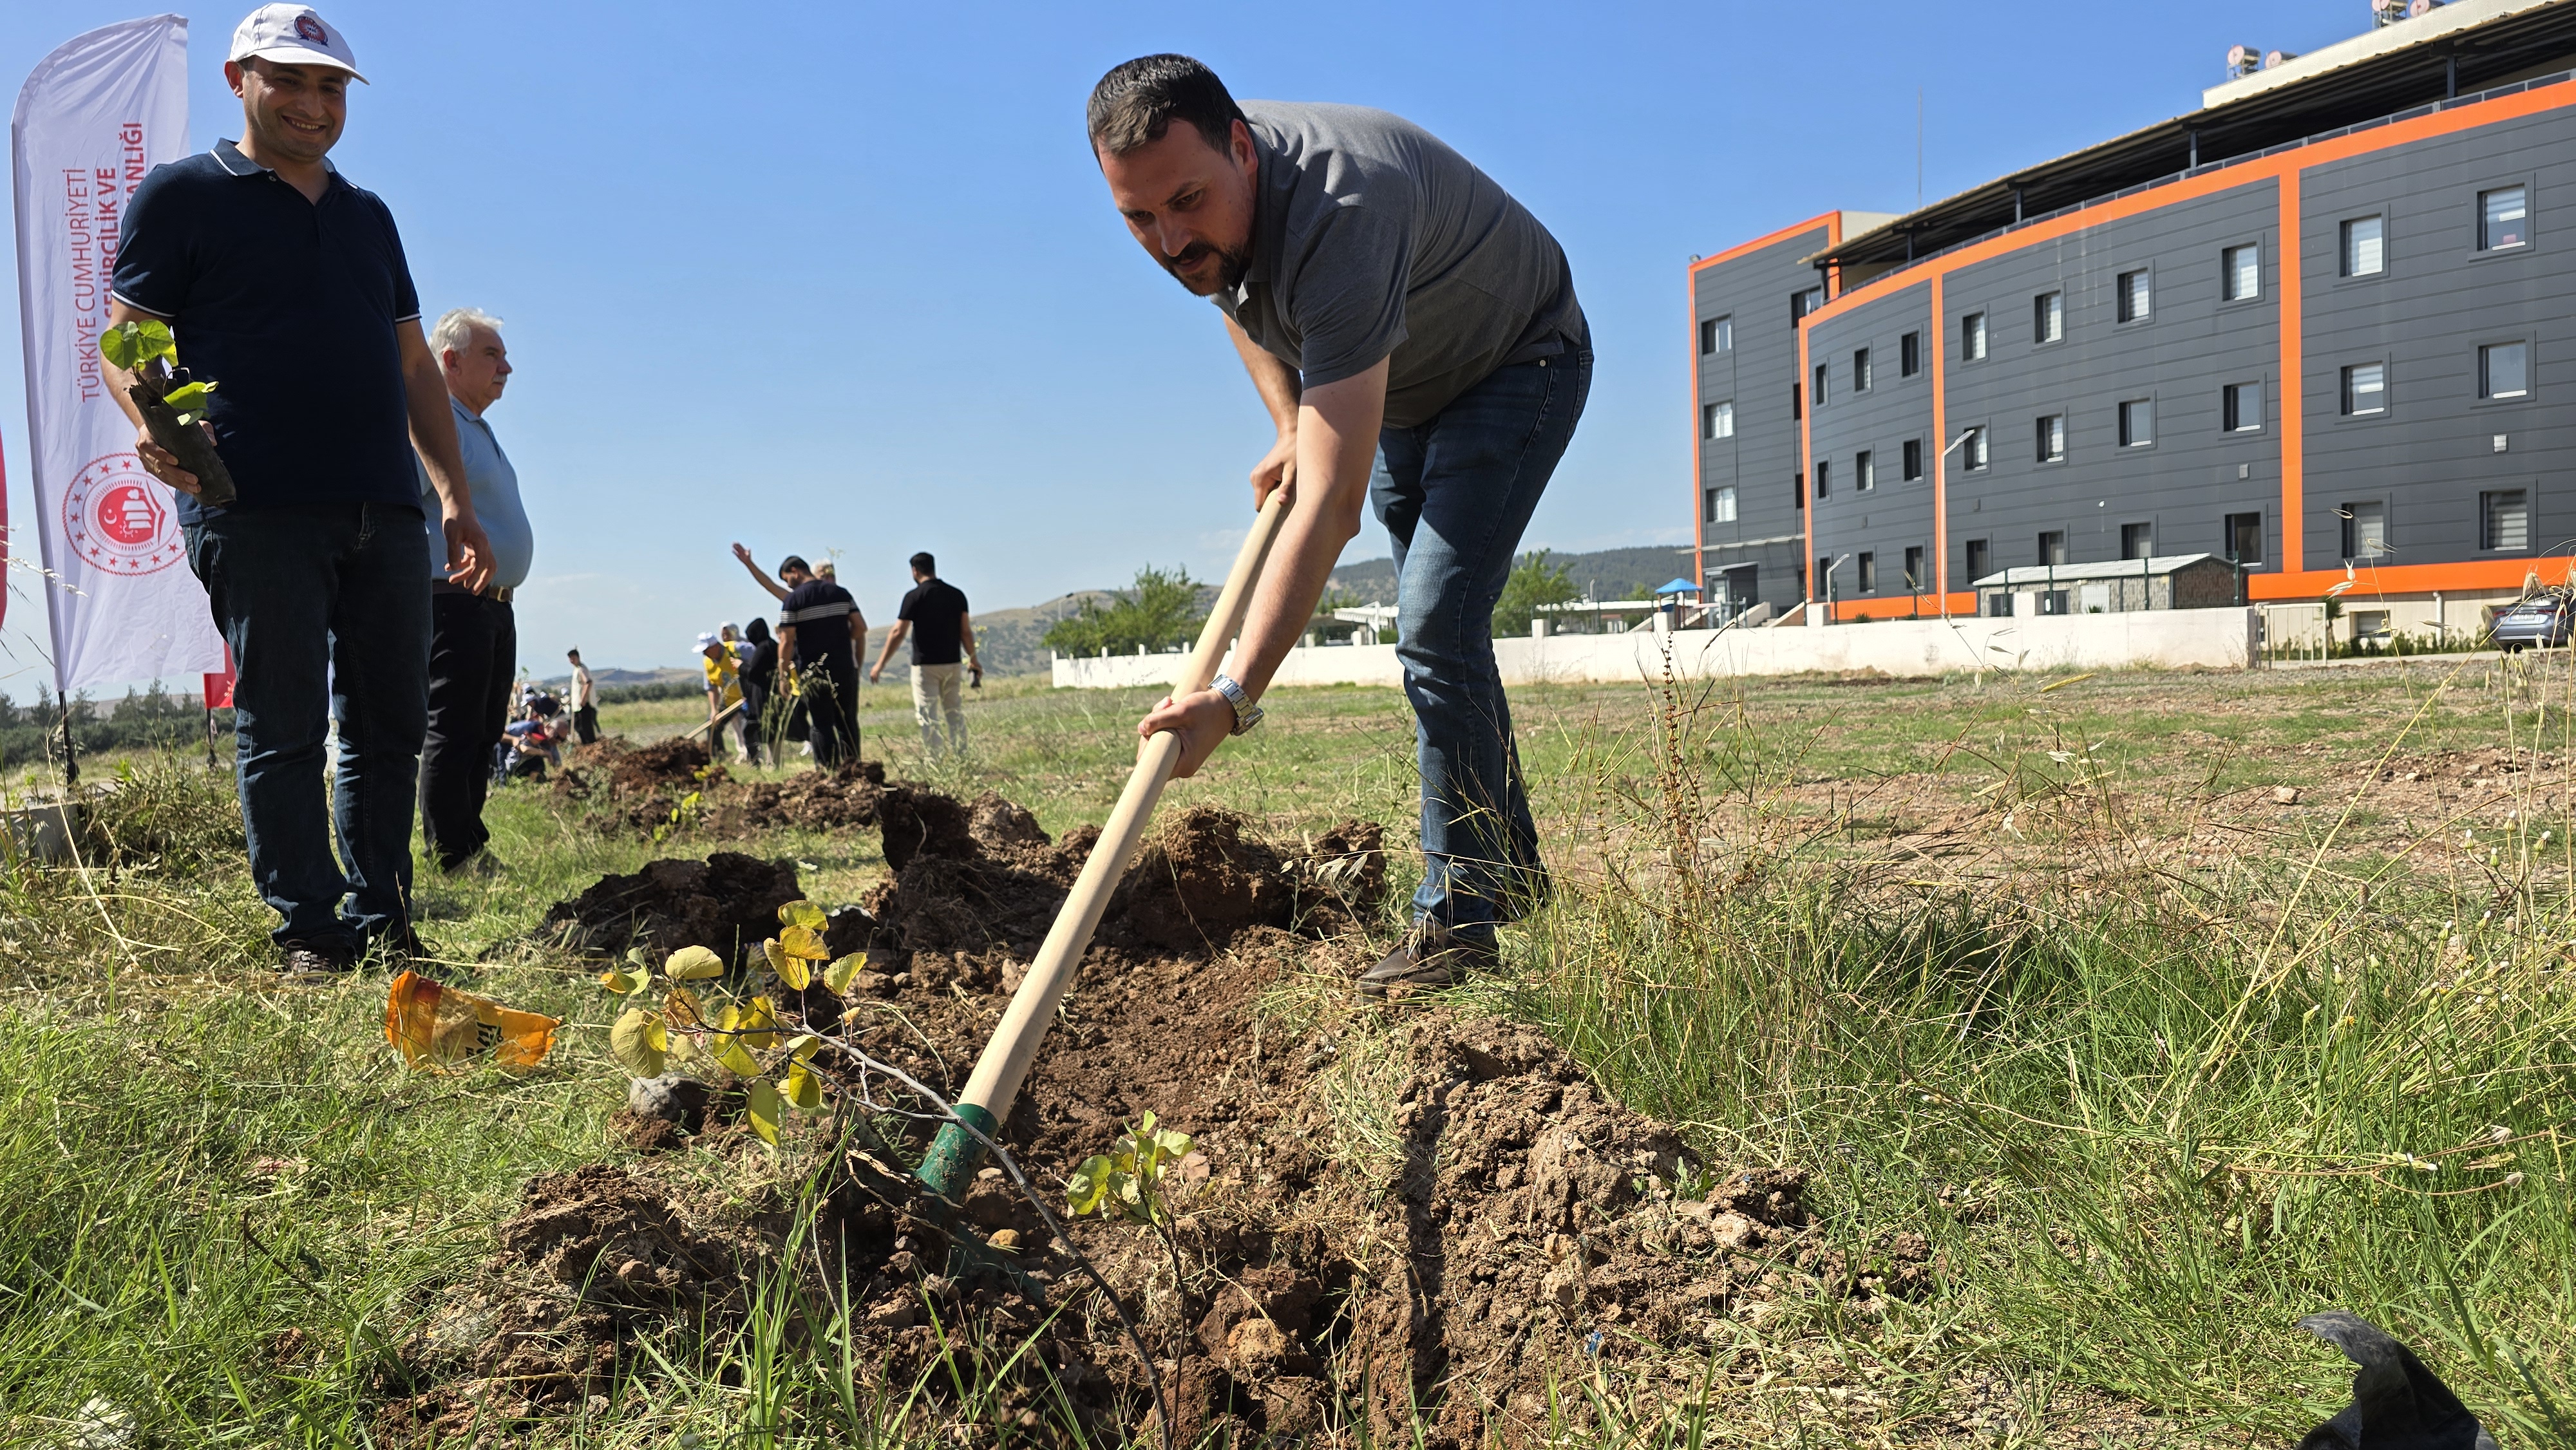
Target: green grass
{"points": [[2149, 1115]]}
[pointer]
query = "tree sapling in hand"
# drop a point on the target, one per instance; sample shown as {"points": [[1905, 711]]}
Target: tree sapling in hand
{"points": [[172, 404]]}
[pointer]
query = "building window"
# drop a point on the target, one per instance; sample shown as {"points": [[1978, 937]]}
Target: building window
{"points": [[1721, 505], [1798, 490], [2048, 317], [1797, 401], [2137, 296], [2504, 519], [2365, 530], [2241, 272], [1909, 354], [1802, 303], [2365, 389], [2504, 370], [2244, 538], [1981, 557], [2137, 422], [1973, 451], [1824, 477], [1716, 335], [1717, 420], [1972, 337], [1865, 471], [2052, 438], [1914, 580], [1822, 372], [1868, 580], [2052, 547], [2137, 541], [2365, 240], [1860, 370], [2503, 219], [2240, 407], [1913, 460]]}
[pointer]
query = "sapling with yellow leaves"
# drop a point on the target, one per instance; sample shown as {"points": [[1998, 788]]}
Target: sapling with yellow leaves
{"points": [[683, 1013]]}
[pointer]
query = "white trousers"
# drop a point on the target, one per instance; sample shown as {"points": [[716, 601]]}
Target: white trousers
{"points": [[935, 691]]}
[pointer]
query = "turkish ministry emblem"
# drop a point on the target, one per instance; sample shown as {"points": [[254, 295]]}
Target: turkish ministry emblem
{"points": [[309, 28], [119, 520]]}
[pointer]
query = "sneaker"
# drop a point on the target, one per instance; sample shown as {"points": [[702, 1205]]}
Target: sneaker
{"points": [[317, 962], [1431, 956]]}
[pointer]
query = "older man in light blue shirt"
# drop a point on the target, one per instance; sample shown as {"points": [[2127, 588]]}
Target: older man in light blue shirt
{"points": [[474, 638]]}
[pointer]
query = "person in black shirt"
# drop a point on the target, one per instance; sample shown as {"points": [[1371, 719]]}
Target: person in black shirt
{"points": [[822, 632], [759, 685], [934, 615]]}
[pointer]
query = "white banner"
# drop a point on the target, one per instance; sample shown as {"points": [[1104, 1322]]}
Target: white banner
{"points": [[96, 115]]}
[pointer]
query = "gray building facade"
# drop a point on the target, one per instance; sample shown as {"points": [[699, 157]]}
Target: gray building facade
{"points": [[2326, 358]]}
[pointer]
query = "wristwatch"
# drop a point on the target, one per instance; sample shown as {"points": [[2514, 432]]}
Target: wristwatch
{"points": [[1246, 713]]}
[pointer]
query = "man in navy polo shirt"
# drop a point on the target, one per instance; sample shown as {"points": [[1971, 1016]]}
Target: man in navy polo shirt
{"points": [[286, 287]]}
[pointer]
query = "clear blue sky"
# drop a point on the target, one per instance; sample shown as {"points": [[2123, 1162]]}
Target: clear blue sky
{"points": [[843, 279]]}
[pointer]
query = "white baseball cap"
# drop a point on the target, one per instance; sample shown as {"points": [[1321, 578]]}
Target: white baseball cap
{"points": [[292, 35]]}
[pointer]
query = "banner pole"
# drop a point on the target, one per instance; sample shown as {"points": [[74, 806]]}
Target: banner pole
{"points": [[71, 757]]}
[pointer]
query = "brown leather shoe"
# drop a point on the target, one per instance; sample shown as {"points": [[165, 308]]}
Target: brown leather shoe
{"points": [[1430, 957]]}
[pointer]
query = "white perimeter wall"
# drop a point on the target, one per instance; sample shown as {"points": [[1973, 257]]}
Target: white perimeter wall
{"points": [[2169, 638]]}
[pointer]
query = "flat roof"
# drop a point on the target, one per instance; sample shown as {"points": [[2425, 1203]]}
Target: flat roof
{"points": [[2084, 573], [2485, 45]]}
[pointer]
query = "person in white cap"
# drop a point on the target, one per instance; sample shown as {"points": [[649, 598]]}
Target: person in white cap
{"points": [[286, 285]]}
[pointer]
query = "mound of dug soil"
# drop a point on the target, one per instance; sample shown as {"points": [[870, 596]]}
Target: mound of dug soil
{"points": [[727, 903], [1498, 1227]]}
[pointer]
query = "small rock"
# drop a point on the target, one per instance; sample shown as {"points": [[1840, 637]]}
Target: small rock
{"points": [[672, 1097], [1563, 1286], [1735, 1232], [1005, 1239], [2285, 795]]}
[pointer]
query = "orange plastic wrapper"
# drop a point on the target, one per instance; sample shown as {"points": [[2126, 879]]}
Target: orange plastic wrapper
{"points": [[437, 1026]]}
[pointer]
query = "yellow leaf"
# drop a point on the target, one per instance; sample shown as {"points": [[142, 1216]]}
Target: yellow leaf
{"points": [[693, 964], [801, 913], [762, 1106], [621, 982], [803, 1047], [790, 967], [837, 976], [758, 1025], [804, 1089], [632, 1040], [804, 942], [729, 1052], [682, 1010]]}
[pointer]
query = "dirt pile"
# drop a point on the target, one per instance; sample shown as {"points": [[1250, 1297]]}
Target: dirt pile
{"points": [[594, 1260], [1493, 1226], [810, 800], [727, 903]]}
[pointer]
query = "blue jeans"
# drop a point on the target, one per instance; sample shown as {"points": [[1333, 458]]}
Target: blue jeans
{"points": [[1455, 494], [326, 607]]}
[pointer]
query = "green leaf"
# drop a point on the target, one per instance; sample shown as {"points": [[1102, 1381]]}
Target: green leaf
{"points": [[129, 345], [693, 964], [639, 1042], [1173, 1145], [839, 974], [190, 397], [1089, 1183], [801, 913], [762, 1108], [623, 983]]}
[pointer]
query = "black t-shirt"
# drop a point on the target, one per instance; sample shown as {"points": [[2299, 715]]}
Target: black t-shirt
{"points": [[820, 610], [762, 668], [934, 608]]}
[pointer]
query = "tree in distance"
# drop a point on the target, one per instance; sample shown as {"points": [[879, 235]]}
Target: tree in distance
{"points": [[1533, 582], [1160, 609]]}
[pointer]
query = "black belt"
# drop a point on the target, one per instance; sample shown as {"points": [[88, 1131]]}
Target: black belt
{"points": [[498, 593]]}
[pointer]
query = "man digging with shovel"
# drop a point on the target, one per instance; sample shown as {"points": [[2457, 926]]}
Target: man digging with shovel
{"points": [[1414, 333]]}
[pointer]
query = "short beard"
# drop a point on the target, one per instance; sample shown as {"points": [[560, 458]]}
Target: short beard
{"points": [[1237, 265]]}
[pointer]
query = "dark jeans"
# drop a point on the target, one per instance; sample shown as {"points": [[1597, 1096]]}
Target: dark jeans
{"points": [[829, 690], [473, 653], [1455, 494], [755, 705], [585, 725], [326, 607]]}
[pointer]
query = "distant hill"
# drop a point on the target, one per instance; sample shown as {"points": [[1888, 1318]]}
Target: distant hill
{"points": [[1012, 641], [1607, 574]]}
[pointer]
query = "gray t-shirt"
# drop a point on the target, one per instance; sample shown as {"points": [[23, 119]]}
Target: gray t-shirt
{"points": [[1372, 238]]}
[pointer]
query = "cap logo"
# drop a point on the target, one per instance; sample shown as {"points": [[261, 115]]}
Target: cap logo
{"points": [[309, 27]]}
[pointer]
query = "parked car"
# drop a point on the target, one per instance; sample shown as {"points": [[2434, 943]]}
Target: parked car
{"points": [[2543, 620]]}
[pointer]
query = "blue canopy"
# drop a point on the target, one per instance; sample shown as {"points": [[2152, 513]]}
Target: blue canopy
{"points": [[1677, 586]]}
